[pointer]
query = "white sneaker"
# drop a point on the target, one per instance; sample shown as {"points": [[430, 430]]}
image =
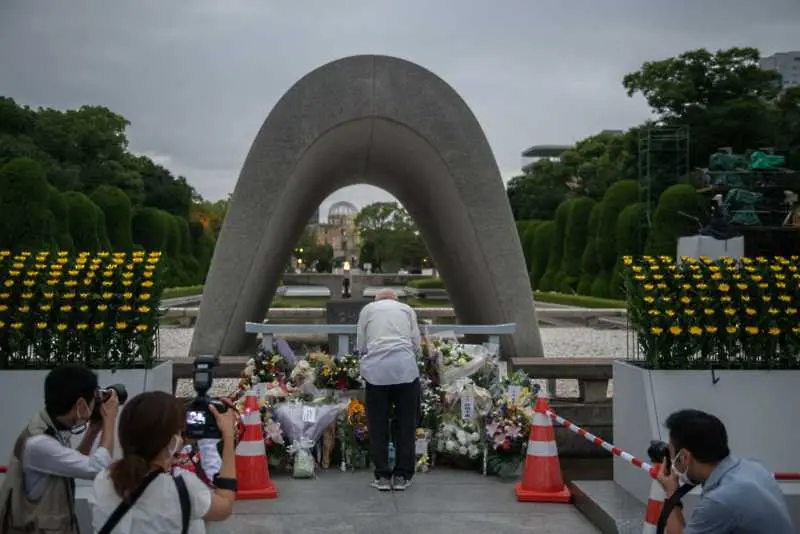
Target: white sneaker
{"points": [[382, 484]]}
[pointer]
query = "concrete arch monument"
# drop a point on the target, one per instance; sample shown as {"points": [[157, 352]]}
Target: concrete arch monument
{"points": [[392, 124]]}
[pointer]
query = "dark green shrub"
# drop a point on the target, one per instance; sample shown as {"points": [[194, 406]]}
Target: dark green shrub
{"points": [[620, 195], [151, 229], [669, 224], [427, 283], [102, 233], [527, 242], [631, 237], [550, 280], [60, 208], [84, 222], [575, 239], [26, 222], [542, 243], [589, 265], [116, 207]]}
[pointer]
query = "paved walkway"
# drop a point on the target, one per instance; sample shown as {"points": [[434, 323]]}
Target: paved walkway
{"points": [[440, 502]]}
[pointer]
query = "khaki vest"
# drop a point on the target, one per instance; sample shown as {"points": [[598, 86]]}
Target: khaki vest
{"points": [[54, 511]]}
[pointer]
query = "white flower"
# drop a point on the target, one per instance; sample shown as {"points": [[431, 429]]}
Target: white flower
{"points": [[461, 436], [250, 363], [450, 445], [463, 451], [254, 380], [249, 371], [473, 451]]}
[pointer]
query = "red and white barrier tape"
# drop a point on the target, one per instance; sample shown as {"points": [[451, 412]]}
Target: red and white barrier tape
{"points": [[650, 469]]}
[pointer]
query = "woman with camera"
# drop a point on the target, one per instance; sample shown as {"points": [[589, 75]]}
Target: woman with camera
{"points": [[139, 494]]}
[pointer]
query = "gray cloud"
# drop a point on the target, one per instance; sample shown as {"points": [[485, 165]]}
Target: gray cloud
{"points": [[196, 78]]}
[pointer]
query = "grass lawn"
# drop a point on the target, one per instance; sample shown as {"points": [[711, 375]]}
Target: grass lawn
{"points": [[580, 301]]}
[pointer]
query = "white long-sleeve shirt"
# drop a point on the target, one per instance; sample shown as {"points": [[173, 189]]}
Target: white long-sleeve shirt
{"points": [[45, 455], [388, 339]]}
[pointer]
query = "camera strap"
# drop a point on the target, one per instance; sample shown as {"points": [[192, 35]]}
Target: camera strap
{"points": [[669, 504], [126, 504], [186, 505]]}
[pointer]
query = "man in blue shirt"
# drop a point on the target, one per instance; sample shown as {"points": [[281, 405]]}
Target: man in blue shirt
{"points": [[739, 496]]}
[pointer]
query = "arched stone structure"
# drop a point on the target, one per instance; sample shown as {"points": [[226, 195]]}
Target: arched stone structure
{"points": [[392, 124]]}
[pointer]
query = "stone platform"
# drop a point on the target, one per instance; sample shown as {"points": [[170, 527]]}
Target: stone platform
{"points": [[440, 502]]}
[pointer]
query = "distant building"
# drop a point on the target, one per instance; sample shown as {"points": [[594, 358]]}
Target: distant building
{"points": [[787, 64], [314, 218], [339, 231], [543, 151]]}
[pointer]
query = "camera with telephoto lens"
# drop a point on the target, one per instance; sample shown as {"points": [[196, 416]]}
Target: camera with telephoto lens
{"points": [[200, 422], [103, 394]]}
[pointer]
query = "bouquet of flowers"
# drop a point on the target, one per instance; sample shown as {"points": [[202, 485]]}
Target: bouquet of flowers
{"points": [[431, 404], [354, 435], [304, 423], [303, 378], [460, 440], [341, 375], [506, 434], [517, 388], [466, 400], [268, 367], [445, 360]]}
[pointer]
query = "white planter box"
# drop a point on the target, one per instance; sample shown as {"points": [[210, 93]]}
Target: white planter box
{"points": [[758, 408], [22, 394]]}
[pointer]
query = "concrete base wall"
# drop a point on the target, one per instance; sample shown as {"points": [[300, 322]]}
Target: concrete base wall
{"points": [[22, 394], [751, 404]]}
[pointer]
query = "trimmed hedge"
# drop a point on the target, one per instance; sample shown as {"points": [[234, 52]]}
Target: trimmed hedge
{"points": [[589, 265], [617, 197], [528, 242], [116, 207], [550, 280], [25, 215], [60, 208], [427, 283], [669, 224], [83, 222], [540, 251], [631, 236], [575, 240], [151, 229]]}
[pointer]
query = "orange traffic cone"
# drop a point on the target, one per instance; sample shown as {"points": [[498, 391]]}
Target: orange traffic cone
{"points": [[542, 481], [252, 467], [654, 506]]}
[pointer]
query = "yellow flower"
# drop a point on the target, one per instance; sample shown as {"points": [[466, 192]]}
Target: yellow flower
{"points": [[711, 329], [48, 295], [675, 330], [724, 288], [731, 329], [708, 311], [785, 298], [16, 326], [41, 325], [695, 330], [752, 330], [685, 300], [45, 307], [8, 283], [99, 326], [773, 331], [3, 307], [649, 287], [66, 308], [84, 308], [142, 328], [689, 312], [144, 296], [61, 327], [750, 311], [143, 309], [791, 311], [742, 287], [4, 296], [108, 296], [82, 326], [639, 277], [627, 260], [24, 309], [127, 295], [127, 283], [670, 313], [648, 299], [653, 313], [147, 284], [121, 325], [102, 307], [756, 278], [773, 311]]}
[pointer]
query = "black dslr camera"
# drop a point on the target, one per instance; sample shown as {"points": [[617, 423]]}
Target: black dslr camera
{"points": [[200, 422], [103, 394], [658, 451]]}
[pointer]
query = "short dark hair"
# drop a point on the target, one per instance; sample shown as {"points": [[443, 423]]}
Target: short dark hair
{"points": [[64, 385], [700, 433]]}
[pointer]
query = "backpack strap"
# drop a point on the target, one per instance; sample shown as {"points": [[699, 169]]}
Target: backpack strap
{"points": [[126, 504], [186, 505]]}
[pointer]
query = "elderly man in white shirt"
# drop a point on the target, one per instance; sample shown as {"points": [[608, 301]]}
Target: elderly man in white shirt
{"points": [[388, 340]]}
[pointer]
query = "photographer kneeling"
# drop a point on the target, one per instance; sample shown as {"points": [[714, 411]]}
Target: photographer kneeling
{"points": [[38, 492], [139, 494]]}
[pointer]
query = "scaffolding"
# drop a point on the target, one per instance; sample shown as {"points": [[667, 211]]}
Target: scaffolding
{"points": [[663, 154]]}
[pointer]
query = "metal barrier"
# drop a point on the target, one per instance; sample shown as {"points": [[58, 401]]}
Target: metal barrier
{"points": [[345, 331]]}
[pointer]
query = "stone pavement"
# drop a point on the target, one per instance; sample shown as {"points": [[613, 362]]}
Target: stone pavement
{"points": [[442, 501]]}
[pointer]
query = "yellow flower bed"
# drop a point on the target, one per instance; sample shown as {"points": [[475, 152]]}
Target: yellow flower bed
{"points": [[99, 309], [730, 313]]}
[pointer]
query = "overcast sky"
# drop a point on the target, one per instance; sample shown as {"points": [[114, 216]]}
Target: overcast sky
{"points": [[196, 78]]}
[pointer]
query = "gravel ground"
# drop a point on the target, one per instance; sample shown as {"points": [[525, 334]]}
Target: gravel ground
{"points": [[579, 342]]}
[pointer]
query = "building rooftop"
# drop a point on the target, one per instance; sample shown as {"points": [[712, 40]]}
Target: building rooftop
{"points": [[546, 151]]}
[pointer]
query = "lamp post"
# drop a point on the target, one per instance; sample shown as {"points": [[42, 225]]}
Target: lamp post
{"points": [[346, 280]]}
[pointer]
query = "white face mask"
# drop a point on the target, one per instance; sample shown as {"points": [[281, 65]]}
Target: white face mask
{"points": [[683, 477], [176, 444]]}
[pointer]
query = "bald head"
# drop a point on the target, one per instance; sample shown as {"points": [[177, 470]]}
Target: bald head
{"points": [[386, 293]]}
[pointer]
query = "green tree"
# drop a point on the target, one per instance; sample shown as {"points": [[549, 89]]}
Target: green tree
{"points": [[84, 222], [618, 196], [550, 280], [575, 239], [537, 194], [670, 220], [388, 234], [631, 236], [116, 207], [27, 222], [589, 265], [542, 245]]}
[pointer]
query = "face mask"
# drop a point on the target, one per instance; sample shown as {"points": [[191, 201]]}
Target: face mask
{"points": [[683, 477], [176, 444], [81, 423]]}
